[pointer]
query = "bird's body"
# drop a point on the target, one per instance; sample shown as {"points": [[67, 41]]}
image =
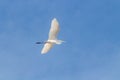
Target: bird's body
{"points": [[52, 39], [55, 41]]}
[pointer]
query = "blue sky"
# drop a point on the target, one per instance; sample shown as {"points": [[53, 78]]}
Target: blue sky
{"points": [[91, 29]]}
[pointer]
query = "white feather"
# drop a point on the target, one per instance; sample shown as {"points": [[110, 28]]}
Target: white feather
{"points": [[52, 39]]}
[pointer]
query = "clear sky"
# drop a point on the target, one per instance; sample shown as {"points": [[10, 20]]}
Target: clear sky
{"points": [[91, 29]]}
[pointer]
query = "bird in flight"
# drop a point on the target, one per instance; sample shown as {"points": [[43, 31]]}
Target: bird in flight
{"points": [[52, 37]]}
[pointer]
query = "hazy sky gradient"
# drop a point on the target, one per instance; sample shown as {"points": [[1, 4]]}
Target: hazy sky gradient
{"points": [[91, 29]]}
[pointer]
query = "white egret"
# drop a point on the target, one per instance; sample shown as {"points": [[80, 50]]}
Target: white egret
{"points": [[52, 39]]}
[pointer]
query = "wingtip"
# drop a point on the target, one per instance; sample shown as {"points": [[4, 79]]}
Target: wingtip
{"points": [[54, 19], [43, 53]]}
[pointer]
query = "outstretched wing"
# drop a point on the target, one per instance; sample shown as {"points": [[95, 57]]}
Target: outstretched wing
{"points": [[46, 48], [54, 29]]}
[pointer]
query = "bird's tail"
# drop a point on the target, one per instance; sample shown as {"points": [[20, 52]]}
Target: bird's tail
{"points": [[59, 41]]}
